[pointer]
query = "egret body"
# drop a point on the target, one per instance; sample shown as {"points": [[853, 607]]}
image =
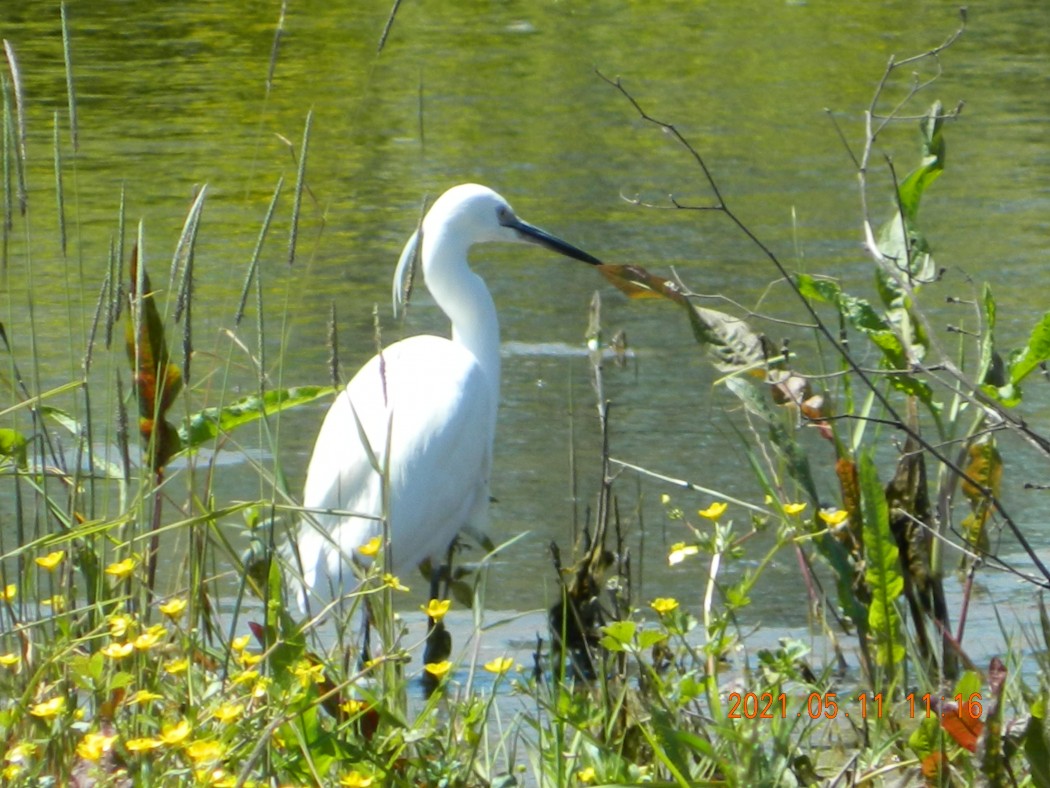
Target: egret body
{"points": [[424, 410]]}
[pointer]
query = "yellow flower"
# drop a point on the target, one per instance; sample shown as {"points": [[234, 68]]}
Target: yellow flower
{"points": [[356, 779], [56, 603], [146, 641], [174, 734], [246, 676], [20, 753], [142, 697], [8, 592], [438, 669], [10, 659], [586, 775], [499, 665], [248, 660], [309, 674], [142, 745], [228, 712], [833, 517], [119, 625], [664, 605], [177, 666], [791, 509], [665, 499], [354, 706], [393, 582], [436, 609], [203, 751], [173, 608], [11, 771], [371, 547], [117, 650], [49, 708], [94, 745], [679, 551], [240, 643], [51, 560], [714, 511], [121, 569], [260, 687]]}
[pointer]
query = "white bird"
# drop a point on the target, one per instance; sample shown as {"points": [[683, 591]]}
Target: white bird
{"points": [[424, 410]]}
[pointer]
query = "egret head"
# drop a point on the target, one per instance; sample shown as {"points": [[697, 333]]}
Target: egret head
{"points": [[477, 214], [468, 214]]}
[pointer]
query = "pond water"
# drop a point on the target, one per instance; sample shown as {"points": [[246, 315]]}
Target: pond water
{"points": [[175, 96]]}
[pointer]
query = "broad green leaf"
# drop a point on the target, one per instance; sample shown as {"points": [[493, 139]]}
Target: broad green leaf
{"points": [[207, 424], [1035, 353], [13, 445], [882, 571], [860, 314], [1036, 747], [621, 632]]}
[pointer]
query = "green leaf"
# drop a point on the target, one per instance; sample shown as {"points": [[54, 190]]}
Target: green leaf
{"points": [[1035, 745], [620, 632], [1035, 353], [650, 638], [860, 314], [207, 424], [882, 573], [13, 445]]}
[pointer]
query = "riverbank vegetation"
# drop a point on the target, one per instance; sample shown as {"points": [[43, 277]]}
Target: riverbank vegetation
{"points": [[141, 644]]}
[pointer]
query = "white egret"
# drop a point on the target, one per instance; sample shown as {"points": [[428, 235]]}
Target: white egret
{"points": [[424, 410]]}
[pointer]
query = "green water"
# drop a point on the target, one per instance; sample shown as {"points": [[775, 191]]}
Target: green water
{"points": [[173, 96]]}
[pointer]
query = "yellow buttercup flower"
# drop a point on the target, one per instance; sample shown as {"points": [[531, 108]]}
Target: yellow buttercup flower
{"points": [[393, 582], [142, 697], [94, 745], [49, 708], [679, 552], [371, 547], [142, 745], [356, 779], [175, 734], [309, 674], [146, 640], [121, 569], [173, 608], [8, 592], [714, 511], [499, 665], [833, 517], [354, 706], [240, 643], [228, 712], [177, 666], [438, 669], [119, 625], [204, 751], [51, 560], [791, 509], [10, 659], [586, 775], [117, 650], [664, 605], [437, 608]]}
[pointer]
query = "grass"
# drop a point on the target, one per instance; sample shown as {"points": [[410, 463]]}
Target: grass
{"points": [[120, 667]]}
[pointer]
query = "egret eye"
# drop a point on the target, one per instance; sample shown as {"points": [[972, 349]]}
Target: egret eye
{"points": [[504, 215]]}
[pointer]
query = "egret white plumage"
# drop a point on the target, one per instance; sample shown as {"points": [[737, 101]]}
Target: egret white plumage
{"points": [[424, 410]]}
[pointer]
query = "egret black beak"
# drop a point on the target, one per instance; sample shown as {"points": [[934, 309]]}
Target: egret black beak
{"points": [[532, 234]]}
